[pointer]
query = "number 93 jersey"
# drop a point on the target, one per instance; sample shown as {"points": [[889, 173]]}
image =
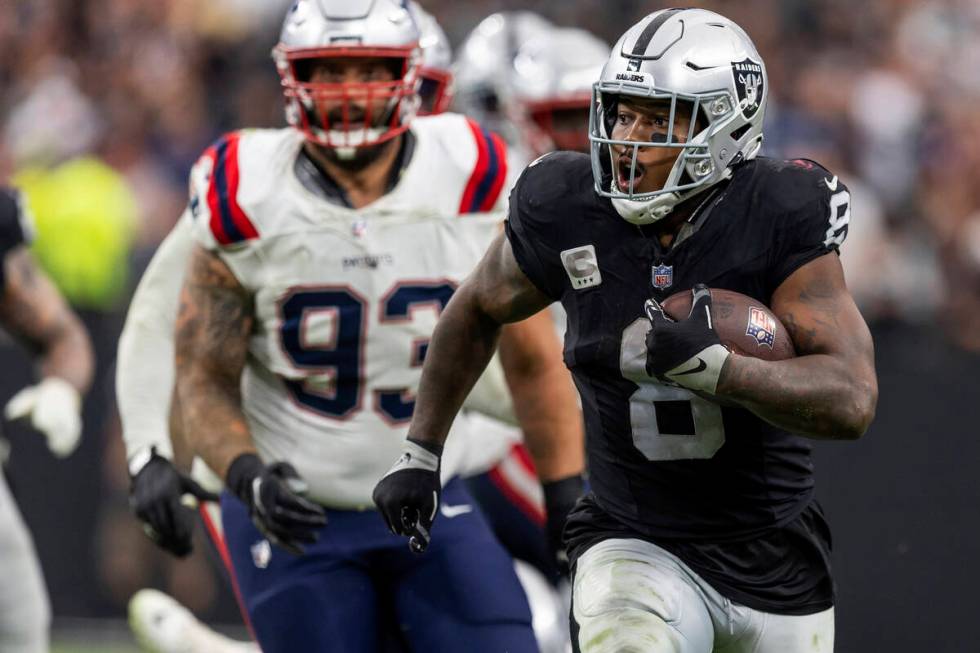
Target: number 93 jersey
{"points": [[345, 300], [667, 462]]}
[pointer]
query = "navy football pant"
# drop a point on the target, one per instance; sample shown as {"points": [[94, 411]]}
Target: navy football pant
{"points": [[360, 587]]}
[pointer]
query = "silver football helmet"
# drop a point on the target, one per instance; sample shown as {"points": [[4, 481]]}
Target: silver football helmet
{"points": [[484, 68], [698, 61], [436, 89], [342, 114], [552, 88]]}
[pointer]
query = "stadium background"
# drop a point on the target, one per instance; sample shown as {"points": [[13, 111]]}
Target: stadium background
{"points": [[104, 104]]}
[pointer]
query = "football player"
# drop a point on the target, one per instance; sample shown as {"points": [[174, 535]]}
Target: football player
{"points": [[145, 365], [33, 311], [552, 88], [484, 71], [701, 531], [150, 420], [323, 255]]}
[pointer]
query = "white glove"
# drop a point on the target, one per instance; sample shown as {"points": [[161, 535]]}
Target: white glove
{"points": [[54, 408]]}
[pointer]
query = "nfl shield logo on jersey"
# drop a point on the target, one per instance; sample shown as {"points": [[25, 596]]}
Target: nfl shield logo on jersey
{"points": [[761, 327], [663, 276]]}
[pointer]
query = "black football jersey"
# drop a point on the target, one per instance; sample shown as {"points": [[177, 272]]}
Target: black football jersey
{"points": [[13, 226], [668, 464]]}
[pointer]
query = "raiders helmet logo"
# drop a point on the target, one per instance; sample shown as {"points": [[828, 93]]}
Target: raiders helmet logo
{"points": [[749, 83]]}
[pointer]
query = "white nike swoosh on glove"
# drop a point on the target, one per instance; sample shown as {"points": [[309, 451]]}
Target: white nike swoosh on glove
{"points": [[455, 511]]}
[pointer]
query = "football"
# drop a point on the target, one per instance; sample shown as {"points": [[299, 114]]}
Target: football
{"points": [[745, 325]]}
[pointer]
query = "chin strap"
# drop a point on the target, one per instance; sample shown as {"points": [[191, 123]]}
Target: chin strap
{"points": [[645, 211]]}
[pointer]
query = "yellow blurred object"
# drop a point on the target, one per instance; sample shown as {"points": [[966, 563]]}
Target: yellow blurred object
{"points": [[85, 216]]}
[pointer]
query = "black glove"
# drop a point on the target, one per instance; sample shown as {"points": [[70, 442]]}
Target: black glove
{"points": [[408, 495], [155, 497], [687, 353], [274, 496], [559, 499]]}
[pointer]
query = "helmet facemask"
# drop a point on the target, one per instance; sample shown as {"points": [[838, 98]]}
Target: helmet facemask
{"points": [[698, 165], [347, 115]]}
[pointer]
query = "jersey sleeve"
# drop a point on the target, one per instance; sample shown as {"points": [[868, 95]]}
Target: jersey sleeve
{"points": [[485, 189], [145, 358], [816, 225], [532, 229], [219, 221]]}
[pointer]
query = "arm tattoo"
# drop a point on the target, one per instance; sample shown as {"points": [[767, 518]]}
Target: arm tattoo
{"points": [[212, 334]]}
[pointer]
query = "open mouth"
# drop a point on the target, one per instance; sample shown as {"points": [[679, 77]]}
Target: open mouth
{"points": [[623, 172]]}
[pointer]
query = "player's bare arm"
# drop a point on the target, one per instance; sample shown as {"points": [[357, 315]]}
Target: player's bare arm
{"points": [[830, 390], [544, 397], [497, 293], [35, 313], [464, 340], [213, 327]]}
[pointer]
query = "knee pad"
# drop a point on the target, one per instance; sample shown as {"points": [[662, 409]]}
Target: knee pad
{"points": [[627, 630], [629, 596]]}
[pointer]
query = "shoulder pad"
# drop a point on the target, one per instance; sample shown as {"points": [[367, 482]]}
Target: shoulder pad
{"points": [[479, 156], [788, 186], [556, 174], [214, 187], [489, 172]]}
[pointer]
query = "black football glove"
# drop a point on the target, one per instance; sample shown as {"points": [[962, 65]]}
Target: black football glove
{"points": [[274, 496], [559, 499], [687, 353], [408, 495], [157, 496]]}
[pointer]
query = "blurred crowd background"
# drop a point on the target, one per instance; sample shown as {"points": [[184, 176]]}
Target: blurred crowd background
{"points": [[105, 104]]}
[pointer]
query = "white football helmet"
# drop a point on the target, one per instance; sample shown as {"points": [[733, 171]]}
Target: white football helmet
{"points": [[349, 114], [484, 68], [698, 61], [552, 88], [436, 88]]}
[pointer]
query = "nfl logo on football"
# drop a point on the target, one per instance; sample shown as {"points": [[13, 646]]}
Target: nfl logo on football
{"points": [[761, 327], [663, 276]]}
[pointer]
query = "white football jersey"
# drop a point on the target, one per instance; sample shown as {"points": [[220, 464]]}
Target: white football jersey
{"points": [[345, 300]]}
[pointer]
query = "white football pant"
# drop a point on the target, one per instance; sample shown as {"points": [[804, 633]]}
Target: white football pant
{"points": [[25, 614], [631, 596]]}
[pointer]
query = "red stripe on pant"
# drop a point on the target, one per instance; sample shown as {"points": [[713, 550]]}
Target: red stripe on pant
{"points": [[219, 543], [518, 459]]}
